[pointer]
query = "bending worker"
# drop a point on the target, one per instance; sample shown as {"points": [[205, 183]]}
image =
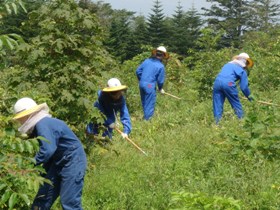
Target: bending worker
{"points": [[151, 73], [62, 155], [110, 102], [225, 85]]}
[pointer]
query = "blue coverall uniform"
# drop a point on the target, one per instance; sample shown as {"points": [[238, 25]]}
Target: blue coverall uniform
{"points": [[225, 87], [64, 160], [150, 73], [110, 108]]}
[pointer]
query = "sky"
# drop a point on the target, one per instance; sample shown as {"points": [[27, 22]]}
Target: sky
{"points": [[143, 7]]}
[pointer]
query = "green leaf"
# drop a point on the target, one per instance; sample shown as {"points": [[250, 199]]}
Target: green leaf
{"points": [[20, 147], [28, 146], [8, 9], [15, 8], [22, 6], [9, 43], [6, 196], [43, 139], [13, 199], [17, 37], [2, 186], [25, 198]]}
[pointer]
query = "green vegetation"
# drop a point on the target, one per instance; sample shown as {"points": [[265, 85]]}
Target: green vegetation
{"points": [[62, 57]]}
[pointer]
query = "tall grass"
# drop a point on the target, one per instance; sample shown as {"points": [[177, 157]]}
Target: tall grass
{"points": [[187, 153]]}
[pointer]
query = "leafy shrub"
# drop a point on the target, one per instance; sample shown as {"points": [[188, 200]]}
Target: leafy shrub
{"points": [[19, 177], [205, 67], [63, 61], [260, 136], [264, 49], [186, 200]]}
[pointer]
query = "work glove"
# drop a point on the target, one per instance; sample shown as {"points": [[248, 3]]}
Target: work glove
{"points": [[251, 98], [112, 125], [161, 91], [124, 135]]}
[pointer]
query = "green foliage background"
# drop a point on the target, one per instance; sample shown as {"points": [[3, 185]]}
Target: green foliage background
{"points": [[191, 162]]}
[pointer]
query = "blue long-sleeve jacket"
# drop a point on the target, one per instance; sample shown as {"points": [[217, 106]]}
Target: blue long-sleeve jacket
{"points": [[109, 108], [233, 72], [151, 71], [60, 138]]}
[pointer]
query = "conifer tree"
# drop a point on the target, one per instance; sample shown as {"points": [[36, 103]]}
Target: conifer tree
{"points": [[231, 16], [179, 31], [140, 33], [156, 26], [264, 13], [194, 23], [185, 29], [120, 35]]}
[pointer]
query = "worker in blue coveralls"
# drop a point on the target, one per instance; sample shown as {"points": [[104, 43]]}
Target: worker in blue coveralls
{"points": [[61, 154], [111, 101], [225, 85], [151, 73]]}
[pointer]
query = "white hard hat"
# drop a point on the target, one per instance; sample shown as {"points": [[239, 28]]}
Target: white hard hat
{"points": [[114, 84], [243, 55], [250, 62], [26, 106], [162, 49]]}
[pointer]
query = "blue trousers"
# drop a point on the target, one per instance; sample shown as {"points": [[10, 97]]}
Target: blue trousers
{"points": [[93, 128], [67, 178], [148, 99], [225, 89]]}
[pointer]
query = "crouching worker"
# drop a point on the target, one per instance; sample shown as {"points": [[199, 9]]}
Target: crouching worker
{"points": [[111, 101], [225, 85], [61, 154]]}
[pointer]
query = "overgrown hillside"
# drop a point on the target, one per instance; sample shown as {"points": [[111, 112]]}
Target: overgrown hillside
{"points": [[191, 163]]}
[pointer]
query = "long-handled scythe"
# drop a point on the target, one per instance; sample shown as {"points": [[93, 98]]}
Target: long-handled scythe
{"points": [[268, 103], [128, 139], [265, 103], [171, 95]]}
